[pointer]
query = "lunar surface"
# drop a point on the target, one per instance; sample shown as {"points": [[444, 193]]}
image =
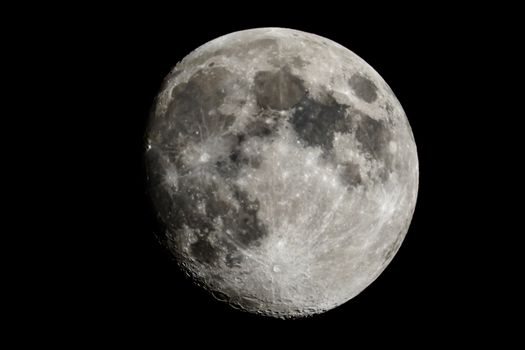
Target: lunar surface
{"points": [[283, 170]]}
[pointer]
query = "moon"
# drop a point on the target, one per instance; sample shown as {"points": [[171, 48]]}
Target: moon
{"points": [[283, 170]]}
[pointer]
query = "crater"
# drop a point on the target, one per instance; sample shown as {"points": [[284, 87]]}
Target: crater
{"points": [[363, 87]]}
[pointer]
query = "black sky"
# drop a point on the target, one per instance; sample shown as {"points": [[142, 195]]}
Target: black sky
{"points": [[111, 276]]}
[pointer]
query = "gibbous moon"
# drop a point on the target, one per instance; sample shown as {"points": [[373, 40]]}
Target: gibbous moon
{"points": [[283, 170]]}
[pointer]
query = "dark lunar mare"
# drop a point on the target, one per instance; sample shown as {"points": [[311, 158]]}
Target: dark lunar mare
{"points": [[316, 123], [279, 90], [178, 209], [188, 120], [350, 174], [363, 87], [192, 114], [241, 224], [374, 137], [230, 166]]}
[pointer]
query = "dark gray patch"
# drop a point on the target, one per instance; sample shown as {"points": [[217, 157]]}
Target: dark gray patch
{"points": [[247, 228], [260, 129], [316, 122], [278, 90], [190, 193], [233, 259], [242, 159], [350, 174], [178, 210], [192, 114], [204, 251], [229, 166], [374, 136], [363, 87], [242, 222], [192, 102], [265, 125], [299, 62]]}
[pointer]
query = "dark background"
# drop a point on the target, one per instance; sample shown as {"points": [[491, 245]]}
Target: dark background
{"points": [[110, 275]]}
